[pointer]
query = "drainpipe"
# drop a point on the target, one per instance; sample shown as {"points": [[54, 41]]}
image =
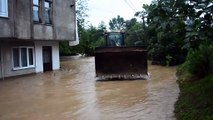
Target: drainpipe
{"points": [[76, 41], [2, 65]]}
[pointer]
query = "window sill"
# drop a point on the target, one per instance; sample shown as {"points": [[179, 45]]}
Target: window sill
{"points": [[48, 24], [5, 17], [22, 68], [37, 23]]}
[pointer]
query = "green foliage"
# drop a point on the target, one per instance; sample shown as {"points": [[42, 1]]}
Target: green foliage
{"points": [[184, 76], [199, 22], [195, 100], [168, 60], [134, 32], [200, 62], [168, 27], [81, 13], [90, 39], [117, 23], [175, 26], [65, 49], [164, 32]]}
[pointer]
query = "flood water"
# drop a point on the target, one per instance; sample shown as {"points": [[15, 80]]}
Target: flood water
{"points": [[73, 93]]}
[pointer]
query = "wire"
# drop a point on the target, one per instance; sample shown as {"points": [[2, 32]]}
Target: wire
{"points": [[130, 5], [101, 9]]}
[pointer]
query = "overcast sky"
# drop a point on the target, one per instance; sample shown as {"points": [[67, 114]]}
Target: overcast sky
{"points": [[105, 10]]}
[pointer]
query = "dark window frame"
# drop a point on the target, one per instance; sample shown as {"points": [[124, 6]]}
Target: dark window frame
{"points": [[50, 9], [39, 11], [42, 10]]}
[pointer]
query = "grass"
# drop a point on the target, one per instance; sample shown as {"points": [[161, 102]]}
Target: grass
{"points": [[196, 97]]}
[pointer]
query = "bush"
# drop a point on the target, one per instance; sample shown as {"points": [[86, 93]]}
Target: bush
{"points": [[200, 62], [65, 49], [195, 100]]}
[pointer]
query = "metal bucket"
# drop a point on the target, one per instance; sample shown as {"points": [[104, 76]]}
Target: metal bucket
{"points": [[121, 63]]}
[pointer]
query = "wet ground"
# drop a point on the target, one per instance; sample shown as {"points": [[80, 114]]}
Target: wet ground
{"points": [[73, 93]]}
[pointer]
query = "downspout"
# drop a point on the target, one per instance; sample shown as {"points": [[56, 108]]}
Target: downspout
{"points": [[76, 41], [2, 65]]}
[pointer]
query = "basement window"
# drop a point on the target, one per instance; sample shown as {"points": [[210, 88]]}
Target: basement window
{"points": [[23, 57], [3, 8]]}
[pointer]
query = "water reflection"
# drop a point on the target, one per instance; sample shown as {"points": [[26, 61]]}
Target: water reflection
{"points": [[73, 93]]}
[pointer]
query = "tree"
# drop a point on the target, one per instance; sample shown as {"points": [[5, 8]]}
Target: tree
{"points": [[81, 15], [199, 23], [90, 39], [117, 23], [102, 26], [134, 30], [164, 31], [172, 27], [81, 12]]}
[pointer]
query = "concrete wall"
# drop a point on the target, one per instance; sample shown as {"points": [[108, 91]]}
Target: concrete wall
{"points": [[19, 30], [39, 54], [42, 32], [22, 19], [64, 12], [19, 24], [7, 23], [7, 65], [6, 57]]}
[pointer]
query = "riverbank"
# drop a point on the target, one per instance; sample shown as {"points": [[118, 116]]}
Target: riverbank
{"points": [[195, 99]]}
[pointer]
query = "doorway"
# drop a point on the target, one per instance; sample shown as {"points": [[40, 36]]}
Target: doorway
{"points": [[47, 58]]}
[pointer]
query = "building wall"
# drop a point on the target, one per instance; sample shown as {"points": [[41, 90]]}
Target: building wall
{"points": [[55, 56], [20, 25], [64, 11], [7, 23], [19, 30], [22, 19], [6, 57], [7, 65], [42, 32]]}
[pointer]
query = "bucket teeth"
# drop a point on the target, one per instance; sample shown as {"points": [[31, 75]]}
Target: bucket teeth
{"points": [[119, 76], [124, 76]]}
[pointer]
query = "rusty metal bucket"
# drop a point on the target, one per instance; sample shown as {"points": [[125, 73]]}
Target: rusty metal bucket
{"points": [[121, 63]]}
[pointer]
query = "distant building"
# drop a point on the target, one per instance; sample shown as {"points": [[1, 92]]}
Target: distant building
{"points": [[30, 31]]}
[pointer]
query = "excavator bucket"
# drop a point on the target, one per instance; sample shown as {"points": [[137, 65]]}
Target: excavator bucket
{"points": [[121, 62]]}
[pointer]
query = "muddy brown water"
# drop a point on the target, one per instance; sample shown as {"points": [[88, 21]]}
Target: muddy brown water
{"points": [[73, 93]]}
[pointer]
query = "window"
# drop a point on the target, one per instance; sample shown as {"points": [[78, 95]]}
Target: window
{"points": [[3, 8], [47, 12], [36, 8], [23, 57], [42, 11], [16, 60]]}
